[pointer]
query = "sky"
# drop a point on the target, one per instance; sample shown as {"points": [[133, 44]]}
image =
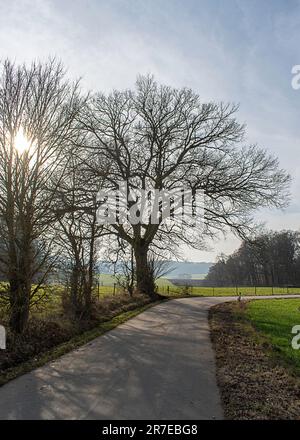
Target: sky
{"points": [[240, 51]]}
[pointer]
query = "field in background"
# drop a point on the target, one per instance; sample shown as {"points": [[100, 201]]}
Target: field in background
{"points": [[51, 296], [108, 285], [226, 291]]}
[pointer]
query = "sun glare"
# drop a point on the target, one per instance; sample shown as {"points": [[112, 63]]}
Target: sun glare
{"points": [[21, 142]]}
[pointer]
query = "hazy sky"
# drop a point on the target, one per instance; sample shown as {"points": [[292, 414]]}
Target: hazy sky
{"points": [[239, 50]]}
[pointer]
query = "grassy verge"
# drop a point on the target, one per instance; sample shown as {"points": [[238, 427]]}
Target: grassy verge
{"points": [[73, 343], [255, 379], [274, 319]]}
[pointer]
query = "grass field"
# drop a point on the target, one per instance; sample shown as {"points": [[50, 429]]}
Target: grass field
{"points": [[51, 304], [274, 319], [108, 285], [166, 287]]}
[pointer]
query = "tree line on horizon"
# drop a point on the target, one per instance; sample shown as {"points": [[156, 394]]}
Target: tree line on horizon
{"points": [[153, 136], [270, 259]]}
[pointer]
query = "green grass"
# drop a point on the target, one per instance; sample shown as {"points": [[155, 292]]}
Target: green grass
{"points": [[274, 320], [108, 286], [106, 279], [164, 284], [166, 287]]}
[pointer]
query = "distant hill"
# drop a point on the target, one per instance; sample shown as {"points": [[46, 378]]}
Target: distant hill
{"points": [[181, 269], [188, 269]]}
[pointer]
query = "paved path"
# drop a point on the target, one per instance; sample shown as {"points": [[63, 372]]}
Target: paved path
{"points": [[158, 365]]}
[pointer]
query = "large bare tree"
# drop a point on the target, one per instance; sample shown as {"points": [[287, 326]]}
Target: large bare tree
{"points": [[38, 110], [158, 137]]}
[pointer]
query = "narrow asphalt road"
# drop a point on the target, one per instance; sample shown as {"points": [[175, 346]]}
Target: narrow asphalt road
{"points": [[159, 365]]}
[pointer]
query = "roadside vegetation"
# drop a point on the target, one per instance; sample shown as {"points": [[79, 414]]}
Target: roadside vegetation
{"points": [[258, 372], [274, 320]]}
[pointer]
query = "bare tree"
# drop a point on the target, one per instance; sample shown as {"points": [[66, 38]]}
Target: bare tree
{"points": [[120, 256], [38, 110], [77, 232], [157, 137], [159, 265]]}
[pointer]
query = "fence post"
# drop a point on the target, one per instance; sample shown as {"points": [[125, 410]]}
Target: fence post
{"points": [[272, 290], [168, 289], [114, 288], [255, 290]]}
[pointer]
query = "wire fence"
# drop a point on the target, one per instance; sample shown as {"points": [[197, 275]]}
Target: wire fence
{"points": [[173, 290], [229, 291]]}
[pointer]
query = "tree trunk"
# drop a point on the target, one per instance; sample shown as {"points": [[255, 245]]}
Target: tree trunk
{"points": [[144, 277], [75, 291], [19, 301], [91, 271], [20, 286]]}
